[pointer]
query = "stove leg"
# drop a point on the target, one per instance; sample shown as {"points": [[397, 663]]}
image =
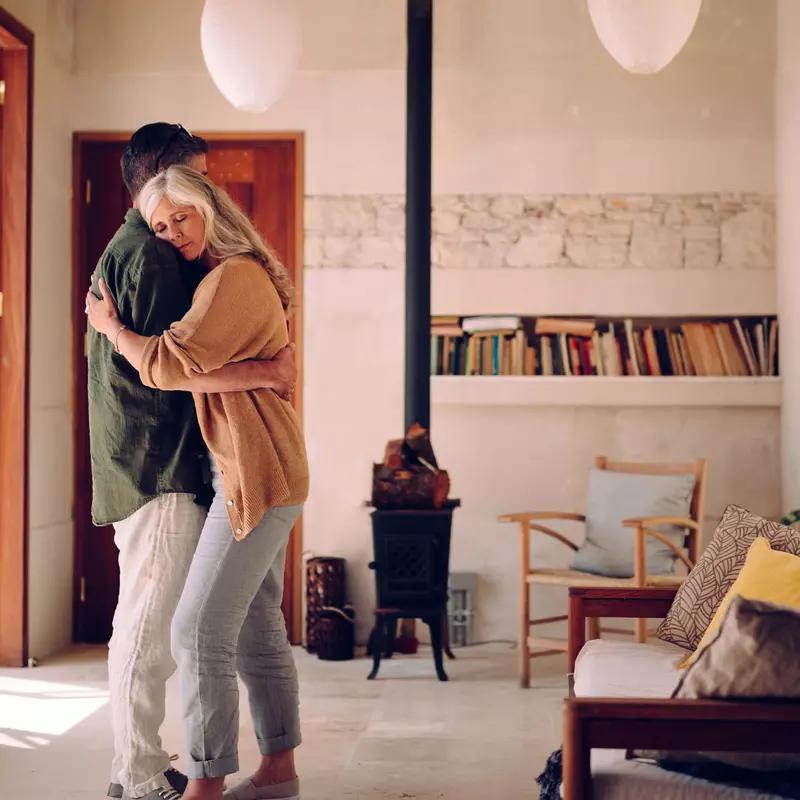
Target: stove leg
{"points": [[378, 639], [446, 634], [391, 637], [435, 624]]}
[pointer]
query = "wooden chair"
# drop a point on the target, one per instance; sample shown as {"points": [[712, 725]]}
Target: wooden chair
{"points": [[641, 528]]}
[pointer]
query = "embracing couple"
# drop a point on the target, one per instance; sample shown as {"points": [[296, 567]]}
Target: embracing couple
{"points": [[199, 462]]}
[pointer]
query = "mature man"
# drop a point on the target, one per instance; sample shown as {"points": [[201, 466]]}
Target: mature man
{"points": [[149, 466]]}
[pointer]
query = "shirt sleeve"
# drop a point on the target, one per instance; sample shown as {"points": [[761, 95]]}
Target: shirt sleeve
{"points": [[235, 314]]}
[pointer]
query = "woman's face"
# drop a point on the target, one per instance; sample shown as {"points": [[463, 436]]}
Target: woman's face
{"points": [[181, 226]]}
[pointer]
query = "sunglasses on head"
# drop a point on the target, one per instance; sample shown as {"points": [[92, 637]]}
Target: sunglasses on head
{"points": [[178, 130]]}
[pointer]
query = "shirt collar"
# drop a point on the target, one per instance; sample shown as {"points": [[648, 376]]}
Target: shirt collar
{"points": [[134, 217]]}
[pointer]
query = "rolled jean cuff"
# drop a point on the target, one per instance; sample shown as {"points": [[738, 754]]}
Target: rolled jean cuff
{"points": [[280, 744], [218, 768]]}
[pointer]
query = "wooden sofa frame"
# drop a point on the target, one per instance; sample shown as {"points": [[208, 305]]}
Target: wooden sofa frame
{"points": [[611, 724]]}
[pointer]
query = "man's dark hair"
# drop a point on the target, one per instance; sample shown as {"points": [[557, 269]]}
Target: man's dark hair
{"points": [[155, 147]]}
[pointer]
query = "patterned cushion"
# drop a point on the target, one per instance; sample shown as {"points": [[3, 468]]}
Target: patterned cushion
{"points": [[707, 584]]}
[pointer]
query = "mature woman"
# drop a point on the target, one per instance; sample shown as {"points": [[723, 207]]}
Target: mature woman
{"points": [[229, 618]]}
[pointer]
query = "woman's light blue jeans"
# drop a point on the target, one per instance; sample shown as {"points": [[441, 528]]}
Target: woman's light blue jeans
{"points": [[229, 621]]}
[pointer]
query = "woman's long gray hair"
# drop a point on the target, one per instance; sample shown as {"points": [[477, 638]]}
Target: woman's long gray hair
{"points": [[228, 230]]}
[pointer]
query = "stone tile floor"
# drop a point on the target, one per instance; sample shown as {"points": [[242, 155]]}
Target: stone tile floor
{"points": [[404, 735]]}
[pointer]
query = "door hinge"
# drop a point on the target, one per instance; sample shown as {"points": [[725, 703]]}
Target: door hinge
{"points": [[1, 304], [2, 93], [83, 590], [88, 192]]}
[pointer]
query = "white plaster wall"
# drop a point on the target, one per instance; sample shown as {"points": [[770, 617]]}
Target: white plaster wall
{"points": [[51, 545], [526, 98], [526, 102]]}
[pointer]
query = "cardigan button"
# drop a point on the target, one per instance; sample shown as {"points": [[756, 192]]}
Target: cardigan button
{"points": [[230, 502], [239, 531]]}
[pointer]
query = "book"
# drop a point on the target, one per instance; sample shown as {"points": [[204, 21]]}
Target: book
{"points": [[773, 348], [747, 347], [572, 327], [696, 350], [574, 356], [546, 346], [649, 340], [530, 360], [735, 354], [611, 354], [674, 353], [688, 365], [726, 363], [565, 359], [447, 330], [641, 356], [598, 355], [713, 354], [632, 356], [490, 324], [665, 363], [761, 349]]}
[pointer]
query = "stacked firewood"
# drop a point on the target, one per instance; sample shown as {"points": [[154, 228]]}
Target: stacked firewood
{"points": [[409, 476]]}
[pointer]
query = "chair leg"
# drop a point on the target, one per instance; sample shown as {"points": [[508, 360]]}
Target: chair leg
{"points": [[594, 628], [641, 631], [524, 634]]}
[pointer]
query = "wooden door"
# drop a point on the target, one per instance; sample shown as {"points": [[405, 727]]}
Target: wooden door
{"points": [[104, 200], [264, 177], [16, 104]]}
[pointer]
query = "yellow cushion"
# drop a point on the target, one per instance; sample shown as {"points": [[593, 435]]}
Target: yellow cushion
{"points": [[768, 575]]}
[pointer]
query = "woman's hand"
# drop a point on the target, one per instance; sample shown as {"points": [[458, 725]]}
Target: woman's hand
{"points": [[102, 314]]}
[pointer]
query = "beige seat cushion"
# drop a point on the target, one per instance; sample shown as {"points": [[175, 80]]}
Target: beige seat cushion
{"points": [[625, 669]]}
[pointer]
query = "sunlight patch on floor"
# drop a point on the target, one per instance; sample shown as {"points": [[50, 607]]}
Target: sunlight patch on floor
{"points": [[30, 707]]}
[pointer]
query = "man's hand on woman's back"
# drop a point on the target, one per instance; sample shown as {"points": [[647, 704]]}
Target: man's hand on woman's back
{"points": [[280, 374]]}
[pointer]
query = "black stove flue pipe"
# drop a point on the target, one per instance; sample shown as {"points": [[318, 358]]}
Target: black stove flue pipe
{"points": [[419, 79]]}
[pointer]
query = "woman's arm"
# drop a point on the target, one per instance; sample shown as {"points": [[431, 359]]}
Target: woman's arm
{"points": [[279, 374], [236, 315]]}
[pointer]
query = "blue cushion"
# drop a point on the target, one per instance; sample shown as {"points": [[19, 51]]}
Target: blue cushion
{"points": [[617, 496]]}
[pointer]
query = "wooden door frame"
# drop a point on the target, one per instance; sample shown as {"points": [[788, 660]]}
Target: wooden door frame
{"points": [[16, 43], [80, 138]]}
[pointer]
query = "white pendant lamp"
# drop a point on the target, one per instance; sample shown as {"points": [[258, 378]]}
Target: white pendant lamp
{"points": [[251, 49], [644, 35]]}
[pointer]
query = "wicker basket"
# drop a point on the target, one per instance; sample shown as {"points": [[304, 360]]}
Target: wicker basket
{"points": [[325, 587]]}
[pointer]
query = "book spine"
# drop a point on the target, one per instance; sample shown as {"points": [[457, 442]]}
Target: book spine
{"points": [[632, 354]]}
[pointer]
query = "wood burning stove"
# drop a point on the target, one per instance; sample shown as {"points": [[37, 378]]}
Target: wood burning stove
{"points": [[412, 564]]}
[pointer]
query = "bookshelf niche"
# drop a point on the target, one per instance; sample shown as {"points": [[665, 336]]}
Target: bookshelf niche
{"points": [[606, 361]]}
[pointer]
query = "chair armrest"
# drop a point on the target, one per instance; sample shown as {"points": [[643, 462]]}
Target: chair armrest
{"points": [[642, 528], [693, 725], [526, 523], [647, 522], [528, 516], [645, 603]]}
